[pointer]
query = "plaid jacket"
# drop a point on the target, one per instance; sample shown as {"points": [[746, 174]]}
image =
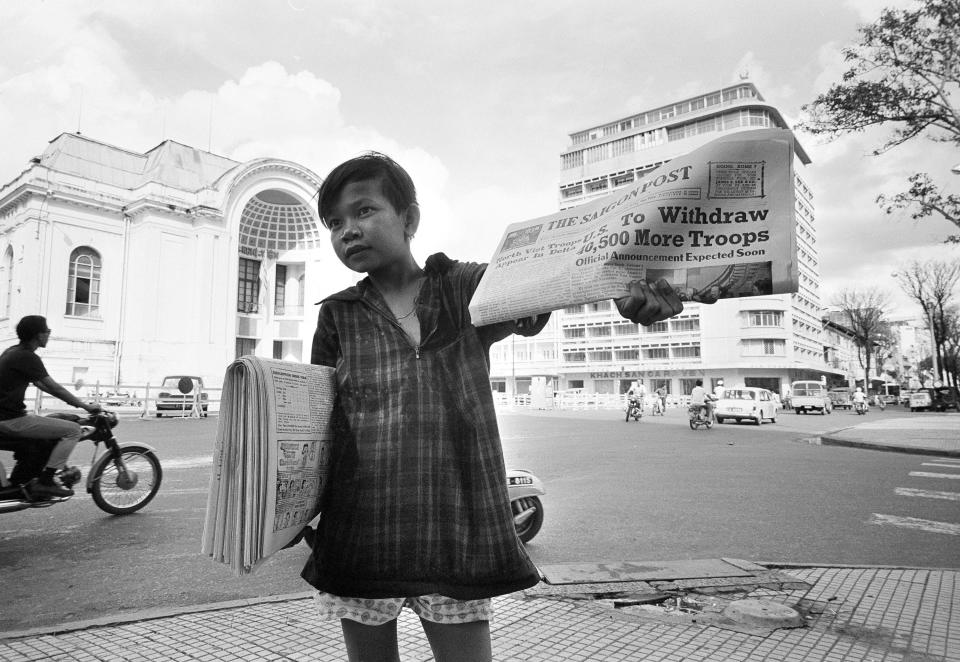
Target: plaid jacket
{"points": [[417, 502]]}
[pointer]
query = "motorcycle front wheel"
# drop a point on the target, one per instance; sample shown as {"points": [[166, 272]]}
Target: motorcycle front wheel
{"points": [[529, 525], [121, 493]]}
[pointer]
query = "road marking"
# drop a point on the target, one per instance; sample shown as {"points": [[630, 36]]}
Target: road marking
{"points": [[929, 494], [928, 474], [915, 523], [186, 462], [939, 464]]}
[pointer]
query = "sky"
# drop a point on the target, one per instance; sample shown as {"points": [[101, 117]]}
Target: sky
{"points": [[477, 99]]}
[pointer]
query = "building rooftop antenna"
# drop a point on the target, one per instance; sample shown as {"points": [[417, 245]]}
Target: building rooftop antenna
{"points": [[80, 111]]}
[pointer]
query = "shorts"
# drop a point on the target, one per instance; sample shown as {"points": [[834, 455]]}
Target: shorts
{"points": [[435, 608]]}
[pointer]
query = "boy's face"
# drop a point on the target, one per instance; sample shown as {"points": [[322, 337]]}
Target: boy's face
{"points": [[367, 233]]}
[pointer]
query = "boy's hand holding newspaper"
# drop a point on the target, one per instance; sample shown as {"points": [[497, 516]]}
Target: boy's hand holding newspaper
{"points": [[646, 305]]}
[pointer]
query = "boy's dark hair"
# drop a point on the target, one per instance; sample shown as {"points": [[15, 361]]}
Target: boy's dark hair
{"points": [[396, 184], [699, 382], [30, 327]]}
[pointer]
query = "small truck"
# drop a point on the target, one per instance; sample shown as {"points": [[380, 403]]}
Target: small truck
{"points": [[810, 396]]}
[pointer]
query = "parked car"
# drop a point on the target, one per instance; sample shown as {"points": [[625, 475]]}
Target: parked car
{"points": [[920, 400], [943, 398], [746, 403], [178, 394]]}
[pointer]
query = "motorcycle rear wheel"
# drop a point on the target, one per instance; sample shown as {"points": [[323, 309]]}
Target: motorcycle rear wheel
{"points": [[531, 526], [120, 495]]}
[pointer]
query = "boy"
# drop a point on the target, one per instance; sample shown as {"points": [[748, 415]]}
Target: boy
{"points": [[417, 512]]}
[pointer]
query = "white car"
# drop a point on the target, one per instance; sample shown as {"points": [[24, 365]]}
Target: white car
{"points": [[746, 403]]}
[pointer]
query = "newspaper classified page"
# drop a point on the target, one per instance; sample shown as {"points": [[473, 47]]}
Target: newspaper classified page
{"points": [[271, 458], [716, 223]]}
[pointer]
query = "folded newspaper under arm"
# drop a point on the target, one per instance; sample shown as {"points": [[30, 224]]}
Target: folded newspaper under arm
{"points": [[716, 223], [270, 461]]}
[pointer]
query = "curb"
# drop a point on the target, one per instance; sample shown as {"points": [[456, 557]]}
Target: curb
{"points": [[150, 615], [893, 448]]}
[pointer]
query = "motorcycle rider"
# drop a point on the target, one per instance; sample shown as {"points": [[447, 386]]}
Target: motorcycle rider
{"points": [[637, 392], [662, 397], [19, 367], [859, 400], [699, 398]]}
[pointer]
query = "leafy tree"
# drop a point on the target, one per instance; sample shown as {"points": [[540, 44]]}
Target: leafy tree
{"points": [[905, 71], [864, 312], [932, 284]]}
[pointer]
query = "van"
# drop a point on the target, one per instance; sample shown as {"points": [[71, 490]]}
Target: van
{"points": [[809, 395]]}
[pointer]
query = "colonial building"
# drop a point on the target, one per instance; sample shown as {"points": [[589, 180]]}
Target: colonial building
{"points": [[173, 261], [765, 341]]}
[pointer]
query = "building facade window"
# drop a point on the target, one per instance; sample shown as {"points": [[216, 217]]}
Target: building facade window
{"points": [[280, 290], [765, 318], [764, 347], [627, 354], [246, 346], [83, 285], [690, 324], [687, 352], [248, 286], [656, 353], [656, 327], [687, 384]]}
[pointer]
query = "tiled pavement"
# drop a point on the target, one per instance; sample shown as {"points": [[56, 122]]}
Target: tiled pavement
{"points": [[878, 614]]}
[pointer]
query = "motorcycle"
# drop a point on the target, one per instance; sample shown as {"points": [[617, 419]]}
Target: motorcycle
{"points": [[525, 491], [122, 480], [860, 408], [700, 417], [658, 408], [634, 408]]}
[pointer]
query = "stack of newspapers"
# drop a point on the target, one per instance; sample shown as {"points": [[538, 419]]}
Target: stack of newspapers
{"points": [[270, 461]]}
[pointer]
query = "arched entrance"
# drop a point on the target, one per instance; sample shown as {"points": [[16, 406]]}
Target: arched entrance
{"points": [[277, 231]]}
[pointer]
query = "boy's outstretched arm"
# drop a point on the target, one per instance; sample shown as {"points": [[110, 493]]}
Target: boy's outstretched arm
{"points": [[646, 305]]}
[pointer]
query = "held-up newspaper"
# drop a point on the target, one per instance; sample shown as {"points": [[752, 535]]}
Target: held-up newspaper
{"points": [[716, 223], [270, 461]]}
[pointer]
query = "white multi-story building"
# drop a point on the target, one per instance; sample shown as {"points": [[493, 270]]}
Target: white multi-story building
{"points": [[173, 261], [765, 341]]}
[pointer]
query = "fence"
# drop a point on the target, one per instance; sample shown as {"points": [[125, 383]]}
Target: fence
{"points": [[577, 400], [141, 400], [133, 399]]}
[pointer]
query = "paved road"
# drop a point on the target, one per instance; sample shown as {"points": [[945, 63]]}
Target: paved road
{"points": [[653, 490]]}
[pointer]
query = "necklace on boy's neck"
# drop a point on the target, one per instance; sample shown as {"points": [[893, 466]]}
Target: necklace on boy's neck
{"points": [[412, 311], [416, 300]]}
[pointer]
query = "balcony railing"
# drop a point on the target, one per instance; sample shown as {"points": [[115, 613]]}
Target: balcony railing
{"points": [[282, 310]]}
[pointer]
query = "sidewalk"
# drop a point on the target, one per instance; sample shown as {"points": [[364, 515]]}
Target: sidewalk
{"points": [[930, 434], [851, 613]]}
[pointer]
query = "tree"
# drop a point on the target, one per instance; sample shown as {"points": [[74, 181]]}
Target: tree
{"points": [[931, 284], [951, 344], [864, 312], [905, 71]]}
